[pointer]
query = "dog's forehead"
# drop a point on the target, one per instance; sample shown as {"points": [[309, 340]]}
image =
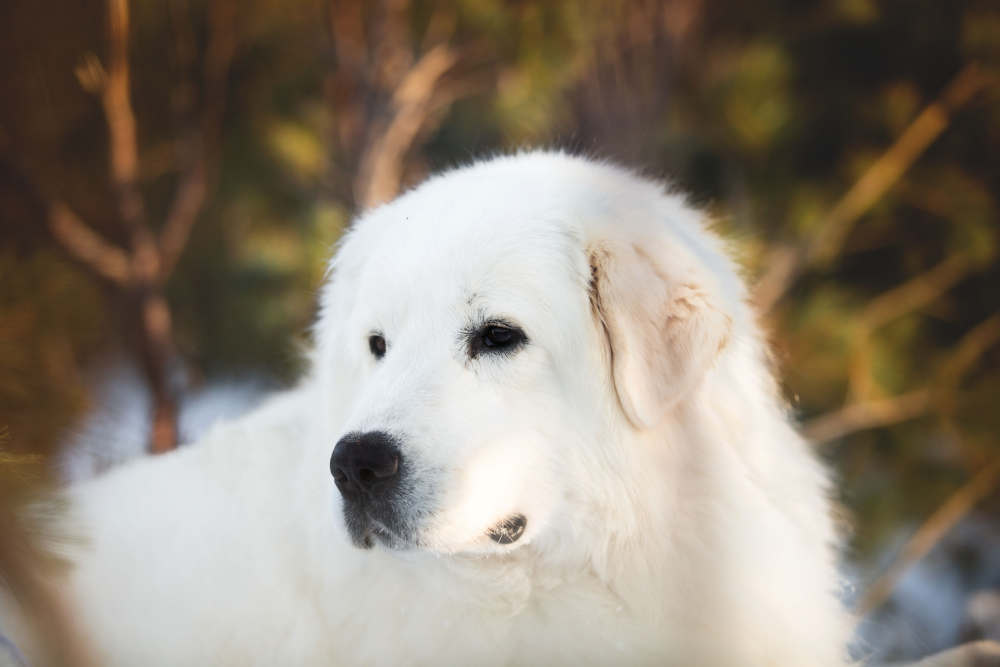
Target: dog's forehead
{"points": [[464, 243]]}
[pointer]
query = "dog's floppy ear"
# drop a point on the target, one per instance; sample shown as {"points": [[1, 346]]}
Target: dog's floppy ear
{"points": [[663, 323]]}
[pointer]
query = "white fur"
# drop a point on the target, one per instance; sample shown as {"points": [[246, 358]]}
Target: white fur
{"points": [[674, 516]]}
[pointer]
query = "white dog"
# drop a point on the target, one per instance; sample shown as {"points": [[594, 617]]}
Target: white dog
{"points": [[555, 439]]}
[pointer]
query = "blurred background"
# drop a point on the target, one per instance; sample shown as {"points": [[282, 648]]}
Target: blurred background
{"points": [[174, 174]]}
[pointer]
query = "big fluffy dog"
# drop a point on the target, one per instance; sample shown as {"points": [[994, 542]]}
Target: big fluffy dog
{"points": [[539, 428]]}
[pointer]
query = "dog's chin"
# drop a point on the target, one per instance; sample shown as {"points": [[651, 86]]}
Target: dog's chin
{"points": [[366, 532], [369, 539]]}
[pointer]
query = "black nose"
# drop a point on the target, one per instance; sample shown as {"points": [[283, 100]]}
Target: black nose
{"points": [[365, 463]]}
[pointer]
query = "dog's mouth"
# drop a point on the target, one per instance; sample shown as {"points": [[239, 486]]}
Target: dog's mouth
{"points": [[509, 530], [367, 530]]}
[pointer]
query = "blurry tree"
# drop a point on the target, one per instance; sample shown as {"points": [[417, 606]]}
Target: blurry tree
{"points": [[140, 269], [391, 85], [848, 146]]}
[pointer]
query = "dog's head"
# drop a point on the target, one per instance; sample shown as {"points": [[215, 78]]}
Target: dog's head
{"points": [[494, 341]]}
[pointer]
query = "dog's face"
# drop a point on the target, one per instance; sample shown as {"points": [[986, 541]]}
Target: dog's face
{"points": [[489, 353]]}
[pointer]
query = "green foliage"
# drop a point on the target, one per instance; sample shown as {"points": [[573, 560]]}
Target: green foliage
{"points": [[768, 112]]}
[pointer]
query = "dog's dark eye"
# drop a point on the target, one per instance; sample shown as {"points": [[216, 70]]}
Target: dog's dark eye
{"points": [[496, 338], [500, 337], [376, 343]]}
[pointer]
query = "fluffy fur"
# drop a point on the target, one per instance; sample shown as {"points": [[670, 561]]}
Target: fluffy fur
{"points": [[674, 515]]}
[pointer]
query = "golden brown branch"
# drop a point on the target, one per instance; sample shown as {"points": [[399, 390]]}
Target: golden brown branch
{"points": [[867, 415], [785, 266], [875, 413], [973, 345], [116, 98], [913, 294], [916, 292], [75, 237], [149, 306], [86, 246], [884, 173], [196, 179], [188, 201], [930, 532], [123, 147], [381, 168]]}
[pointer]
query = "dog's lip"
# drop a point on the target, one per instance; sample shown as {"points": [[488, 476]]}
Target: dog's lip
{"points": [[508, 530], [390, 540], [379, 528], [371, 530]]}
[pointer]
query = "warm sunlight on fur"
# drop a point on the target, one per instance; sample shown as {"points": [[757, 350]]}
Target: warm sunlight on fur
{"points": [[554, 438]]}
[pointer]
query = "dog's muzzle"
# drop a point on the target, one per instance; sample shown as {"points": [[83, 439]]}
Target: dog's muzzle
{"points": [[367, 469]]}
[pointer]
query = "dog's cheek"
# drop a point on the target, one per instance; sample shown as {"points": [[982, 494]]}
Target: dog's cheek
{"points": [[501, 478]]}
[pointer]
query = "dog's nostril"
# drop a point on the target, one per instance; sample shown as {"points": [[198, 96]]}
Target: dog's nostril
{"points": [[373, 474], [389, 469]]}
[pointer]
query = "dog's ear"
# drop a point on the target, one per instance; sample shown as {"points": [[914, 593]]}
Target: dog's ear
{"points": [[663, 323]]}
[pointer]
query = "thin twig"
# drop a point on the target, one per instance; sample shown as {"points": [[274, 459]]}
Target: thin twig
{"points": [[973, 345], [76, 238], [876, 413], [381, 167], [788, 263], [388, 92], [117, 103], [888, 169], [867, 415], [151, 311], [930, 532], [123, 146], [915, 293], [196, 179], [87, 246]]}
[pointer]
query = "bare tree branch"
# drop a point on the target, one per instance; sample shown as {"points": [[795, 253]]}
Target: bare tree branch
{"points": [[930, 532], [787, 263], [381, 167], [390, 88], [979, 653], [72, 234], [153, 315], [916, 292], [195, 181], [869, 414], [86, 246], [913, 294], [123, 146], [117, 103], [865, 409], [974, 344], [888, 169], [188, 201], [141, 271]]}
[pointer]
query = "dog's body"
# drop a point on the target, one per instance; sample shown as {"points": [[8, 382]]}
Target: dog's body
{"points": [[586, 460]]}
